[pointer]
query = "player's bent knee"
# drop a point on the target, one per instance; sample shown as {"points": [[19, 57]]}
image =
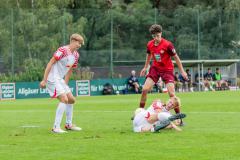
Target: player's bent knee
{"points": [[146, 89], [64, 99], [71, 100], [171, 94]]}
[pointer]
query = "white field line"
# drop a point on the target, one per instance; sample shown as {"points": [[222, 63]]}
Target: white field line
{"points": [[29, 126], [104, 111]]}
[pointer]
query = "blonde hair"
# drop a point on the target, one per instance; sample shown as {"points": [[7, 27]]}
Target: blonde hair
{"points": [[176, 102], [77, 37], [173, 102]]}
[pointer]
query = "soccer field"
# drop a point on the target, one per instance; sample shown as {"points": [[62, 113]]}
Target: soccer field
{"points": [[212, 129]]}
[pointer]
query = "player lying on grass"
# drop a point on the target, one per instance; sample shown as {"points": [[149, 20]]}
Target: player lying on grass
{"points": [[157, 117]]}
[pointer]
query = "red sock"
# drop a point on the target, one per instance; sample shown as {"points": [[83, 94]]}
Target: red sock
{"points": [[177, 110], [143, 99], [142, 104]]}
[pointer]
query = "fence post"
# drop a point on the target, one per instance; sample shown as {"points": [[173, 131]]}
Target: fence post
{"points": [[111, 46], [12, 38], [198, 23]]}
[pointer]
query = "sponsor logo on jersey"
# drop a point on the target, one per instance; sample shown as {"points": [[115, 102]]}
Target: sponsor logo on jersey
{"points": [[157, 56]]}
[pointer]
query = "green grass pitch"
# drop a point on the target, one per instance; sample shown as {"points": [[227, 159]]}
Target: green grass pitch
{"points": [[212, 130]]}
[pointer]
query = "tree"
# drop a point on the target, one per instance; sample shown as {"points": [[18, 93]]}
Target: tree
{"points": [[39, 27]]}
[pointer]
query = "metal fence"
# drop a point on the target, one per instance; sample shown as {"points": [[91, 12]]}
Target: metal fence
{"points": [[112, 36]]}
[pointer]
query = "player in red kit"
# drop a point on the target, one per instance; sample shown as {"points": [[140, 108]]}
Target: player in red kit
{"points": [[161, 51]]}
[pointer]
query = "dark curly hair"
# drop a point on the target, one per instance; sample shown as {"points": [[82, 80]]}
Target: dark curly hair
{"points": [[155, 28]]}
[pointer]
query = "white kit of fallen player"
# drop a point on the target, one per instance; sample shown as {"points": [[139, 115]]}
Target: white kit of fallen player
{"points": [[157, 116]]}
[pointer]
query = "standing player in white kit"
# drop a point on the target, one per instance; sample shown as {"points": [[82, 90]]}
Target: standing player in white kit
{"points": [[56, 77]]}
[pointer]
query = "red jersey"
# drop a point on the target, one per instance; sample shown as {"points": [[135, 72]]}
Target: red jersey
{"points": [[162, 54]]}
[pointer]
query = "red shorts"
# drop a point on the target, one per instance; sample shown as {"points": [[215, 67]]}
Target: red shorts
{"points": [[155, 74]]}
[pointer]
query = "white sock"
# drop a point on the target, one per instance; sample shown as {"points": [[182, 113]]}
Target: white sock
{"points": [[59, 114], [69, 113]]}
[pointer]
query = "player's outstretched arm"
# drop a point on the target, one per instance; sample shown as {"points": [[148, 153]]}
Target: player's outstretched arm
{"points": [[180, 67], [148, 58], [146, 129], [68, 75], [47, 70], [172, 125]]}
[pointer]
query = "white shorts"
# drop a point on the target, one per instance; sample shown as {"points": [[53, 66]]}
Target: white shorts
{"points": [[140, 121], [163, 116], [139, 128], [57, 88]]}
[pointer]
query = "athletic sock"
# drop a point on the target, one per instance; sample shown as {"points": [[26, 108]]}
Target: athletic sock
{"points": [[177, 110], [143, 99], [69, 113], [142, 104], [162, 125], [59, 114]]}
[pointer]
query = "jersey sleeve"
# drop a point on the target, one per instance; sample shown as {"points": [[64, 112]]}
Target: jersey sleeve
{"points": [[148, 49], [59, 53], [171, 50]]}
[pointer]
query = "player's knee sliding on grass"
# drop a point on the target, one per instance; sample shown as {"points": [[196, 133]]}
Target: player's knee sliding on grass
{"points": [[146, 122], [167, 122], [56, 77], [157, 116]]}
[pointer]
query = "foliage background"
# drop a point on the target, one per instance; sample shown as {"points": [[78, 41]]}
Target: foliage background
{"points": [[31, 31]]}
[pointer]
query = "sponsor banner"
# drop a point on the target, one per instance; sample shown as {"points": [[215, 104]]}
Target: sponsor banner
{"points": [[32, 90], [21, 90], [7, 91], [83, 88]]}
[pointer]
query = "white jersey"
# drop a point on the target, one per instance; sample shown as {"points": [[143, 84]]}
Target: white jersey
{"points": [[65, 60], [140, 121], [155, 106]]}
